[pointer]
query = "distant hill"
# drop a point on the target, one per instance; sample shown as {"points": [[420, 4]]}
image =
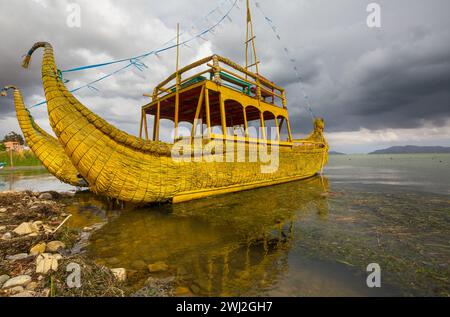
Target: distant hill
{"points": [[411, 149], [336, 153]]}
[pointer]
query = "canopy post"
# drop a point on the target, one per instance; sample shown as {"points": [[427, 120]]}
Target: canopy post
{"points": [[156, 125], [197, 113], [142, 124], [145, 125], [223, 115], [208, 112]]}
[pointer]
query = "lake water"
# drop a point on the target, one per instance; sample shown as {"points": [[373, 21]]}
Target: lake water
{"points": [[307, 238]]}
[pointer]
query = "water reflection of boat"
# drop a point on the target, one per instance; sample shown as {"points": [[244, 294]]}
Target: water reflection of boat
{"points": [[216, 245]]}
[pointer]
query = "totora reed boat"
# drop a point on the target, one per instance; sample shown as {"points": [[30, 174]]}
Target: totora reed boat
{"points": [[239, 135], [47, 149]]}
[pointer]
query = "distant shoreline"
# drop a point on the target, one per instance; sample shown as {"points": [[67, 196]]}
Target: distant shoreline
{"points": [[412, 149]]}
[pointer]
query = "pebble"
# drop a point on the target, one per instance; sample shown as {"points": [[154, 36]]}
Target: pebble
{"points": [[38, 224], [38, 248], [120, 274], [17, 257], [26, 228], [7, 236], [25, 294], [158, 267], [180, 290], [32, 286], [16, 289], [3, 279], [21, 280], [54, 246], [46, 292], [2, 228], [45, 196], [2, 210]]}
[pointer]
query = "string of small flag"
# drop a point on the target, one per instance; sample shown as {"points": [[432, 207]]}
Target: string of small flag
{"points": [[136, 62], [291, 59]]}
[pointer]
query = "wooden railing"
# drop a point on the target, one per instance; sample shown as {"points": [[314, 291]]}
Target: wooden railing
{"points": [[306, 142], [223, 71]]}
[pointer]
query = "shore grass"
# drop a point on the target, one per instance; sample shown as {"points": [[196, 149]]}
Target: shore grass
{"points": [[25, 158]]}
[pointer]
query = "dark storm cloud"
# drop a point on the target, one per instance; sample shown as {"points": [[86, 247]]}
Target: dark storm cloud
{"points": [[397, 76]]}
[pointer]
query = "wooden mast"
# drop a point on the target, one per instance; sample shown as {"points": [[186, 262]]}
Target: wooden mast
{"points": [[177, 96], [250, 46]]}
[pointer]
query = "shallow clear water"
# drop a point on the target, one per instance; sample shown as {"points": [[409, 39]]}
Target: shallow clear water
{"points": [[307, 238], [30, 178]]}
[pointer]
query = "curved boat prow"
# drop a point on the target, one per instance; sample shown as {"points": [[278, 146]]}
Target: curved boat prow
{"points": [[114, 163], [47, 149]]}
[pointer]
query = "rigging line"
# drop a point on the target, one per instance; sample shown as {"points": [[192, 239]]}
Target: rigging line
{"points": [[292, 60], [142, 55], [137, 60]]}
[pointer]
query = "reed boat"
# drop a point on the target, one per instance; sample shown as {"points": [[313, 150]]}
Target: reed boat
{"points": [[47, 148], [144, 170], [230, 132]]}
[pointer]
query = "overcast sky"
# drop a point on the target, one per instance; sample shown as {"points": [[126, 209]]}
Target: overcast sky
{"points": [[375, 87]]}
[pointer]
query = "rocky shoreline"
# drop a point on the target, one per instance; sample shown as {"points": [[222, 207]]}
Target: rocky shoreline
{"points": [[38, 251]]}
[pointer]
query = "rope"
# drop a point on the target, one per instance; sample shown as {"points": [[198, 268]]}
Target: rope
{"points": [[136, 61], [290, 58], [217, 9]]}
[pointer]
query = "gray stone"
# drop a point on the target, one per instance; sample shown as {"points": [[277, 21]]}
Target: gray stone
{"points": [[17, 257], [3, 279], [21, 280], [54, 246], [7, 236], [45, 196]]}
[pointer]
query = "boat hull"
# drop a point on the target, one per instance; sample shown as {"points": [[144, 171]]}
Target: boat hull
{"points": [[199, 194]]}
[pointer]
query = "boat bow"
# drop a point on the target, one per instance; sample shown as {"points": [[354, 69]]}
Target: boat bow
{"points": [[113, 162], [47, 149]]}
